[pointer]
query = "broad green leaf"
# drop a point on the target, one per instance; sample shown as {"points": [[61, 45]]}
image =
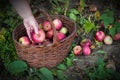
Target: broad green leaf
{"points": [[112, 31], [69, 62], [71, 56], [17, 67], [103, 16], [73, 44], [118, 30], [41, 76], [88, 26], [117, 26], [82, 20], [74, 11], [108, 20], [61, 67], [100, 62], [73, 16], [47, 73], [107, 17], [60, 75], [109, 12]]}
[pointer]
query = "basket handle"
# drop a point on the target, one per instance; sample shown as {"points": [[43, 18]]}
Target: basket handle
{"points": [[55, 39]]}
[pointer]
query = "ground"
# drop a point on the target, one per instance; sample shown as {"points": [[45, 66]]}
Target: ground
{"points": [[112, 57], [112, 52]]}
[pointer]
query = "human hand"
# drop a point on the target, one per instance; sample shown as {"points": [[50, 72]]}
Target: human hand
{"points": [[30, 24]]}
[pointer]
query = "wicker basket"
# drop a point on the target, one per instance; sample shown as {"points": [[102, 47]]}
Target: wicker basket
{"points": [[46, 56]]}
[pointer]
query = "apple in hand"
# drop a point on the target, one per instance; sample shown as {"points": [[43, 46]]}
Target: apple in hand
{"points": [[64, 30], [57, 23], [108, 40], [99, 36], [46, 26], [24, 40], [40, 37], [77, 50], [86, 50], [49, 34], [60, 36], [85, 42]]}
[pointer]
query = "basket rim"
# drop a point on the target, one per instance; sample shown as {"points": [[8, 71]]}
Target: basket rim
{"points": [[21, 23]]}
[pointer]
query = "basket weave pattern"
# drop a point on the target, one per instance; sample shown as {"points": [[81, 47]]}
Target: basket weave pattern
{"points": [[46, 56]]}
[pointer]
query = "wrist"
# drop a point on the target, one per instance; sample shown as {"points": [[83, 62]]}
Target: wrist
{"points": [[30, 17]]}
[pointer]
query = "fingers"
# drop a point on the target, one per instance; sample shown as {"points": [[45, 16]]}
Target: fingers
{"points": [[35, 27], [29, 35], [28, 29]]}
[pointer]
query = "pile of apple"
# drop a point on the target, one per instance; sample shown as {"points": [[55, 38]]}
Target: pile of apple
{"points": [[83, 47], [100, 36], [45, 33]]}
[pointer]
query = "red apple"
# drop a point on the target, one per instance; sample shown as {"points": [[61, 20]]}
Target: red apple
{"points": [[60, 36], [85, 42], [57, 23], [64, 30], [46, 25], [46, 42], [86, 50], [40, 37], [99, 36], [49, 34], [24, 40], [108, 40], [77, 50], [116, 37]]}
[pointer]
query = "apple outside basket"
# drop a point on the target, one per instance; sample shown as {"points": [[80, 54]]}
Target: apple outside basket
{"points": [[48, 55]]}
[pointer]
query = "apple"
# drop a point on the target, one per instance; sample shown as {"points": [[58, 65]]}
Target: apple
{"points": [[99, 36], [86, 50], [85, 42], [116, 37], [102, 27], [49, 34], [46, 26], [46, 42], [60, 36], [33, 43], [64, 30], [40, 37], [77, 50], [93, 8], [24, 40], [108, 40], [57, 23]]}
